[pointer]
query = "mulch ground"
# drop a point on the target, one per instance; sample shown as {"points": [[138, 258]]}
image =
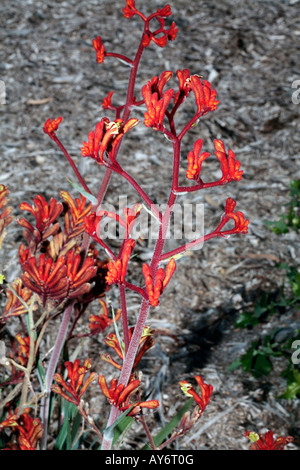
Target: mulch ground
{"points": [[250, 52]]}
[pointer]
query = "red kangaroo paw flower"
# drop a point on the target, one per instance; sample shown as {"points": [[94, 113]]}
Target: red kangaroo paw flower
{"points": [[156, 108], [117, 269], [119, 395], [195, 160], [154, 290], [51, 126], [77, 383], [100, 49], [206, 391], [267, 441], [229, 166], [205, 97]]}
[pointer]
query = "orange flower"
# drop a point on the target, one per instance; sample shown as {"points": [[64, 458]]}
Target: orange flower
{"points": [[267, 441], [58, 280], [229, 166], [241, 224], [206, 391], [117, 269], [205, 97], [146, 342], [156, 106], [100, 49], [105, 138], [195, 160], [14, 306], [51, 126], [29, 430], [154, 290], [119, 395], [98, 323], [77, 383], [45, 215]]}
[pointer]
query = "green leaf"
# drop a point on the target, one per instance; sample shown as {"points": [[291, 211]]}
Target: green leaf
{"points": [[293, 389]]}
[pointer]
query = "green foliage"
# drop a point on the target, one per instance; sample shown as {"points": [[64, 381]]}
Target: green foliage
{"points": [[291, 219]]}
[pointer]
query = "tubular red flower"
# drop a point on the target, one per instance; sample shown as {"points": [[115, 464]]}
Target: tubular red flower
{"points": [[51, 126], [28, 430], [129, 10], [119, 395], [117, 269], [156, 108], [241, 224], [206, 391], [100, 49], [105, 138], [154, 290], [45, 214], [77, 383], [229, 166], [267, 441], [195, 160], [205, 97]]}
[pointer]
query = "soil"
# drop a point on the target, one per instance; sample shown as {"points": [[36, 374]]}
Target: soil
{"points": [[249, 51]]}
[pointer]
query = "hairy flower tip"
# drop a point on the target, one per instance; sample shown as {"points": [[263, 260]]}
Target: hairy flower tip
{"points": [[162, 278], [119, 396], [78, 381], [206, 391], [129, 10], [100, 49], [195, 160], [267, 441], [229, 165], [51, 126]]}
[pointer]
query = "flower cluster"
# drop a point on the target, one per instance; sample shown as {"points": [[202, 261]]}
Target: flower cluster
{"points": [[119, 396], [155, 288], [27, 429], [76, 385], [267, 441], [206, 391]]}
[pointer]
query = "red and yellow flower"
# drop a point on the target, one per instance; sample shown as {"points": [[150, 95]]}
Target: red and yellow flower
{"points": [[119, 396]]}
